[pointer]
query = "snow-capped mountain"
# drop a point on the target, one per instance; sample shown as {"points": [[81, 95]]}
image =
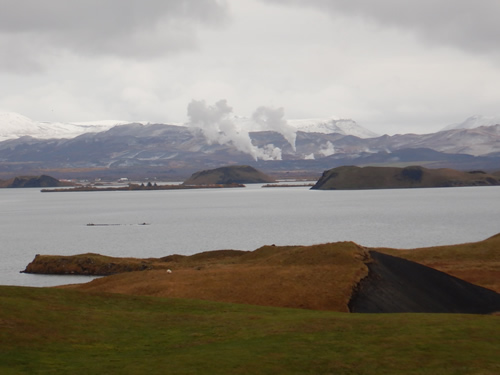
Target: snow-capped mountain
{"points": [[159, 148], [475, 122], [14, 125]]}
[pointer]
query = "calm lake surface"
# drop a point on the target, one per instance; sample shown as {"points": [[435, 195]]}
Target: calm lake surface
{"points": [[191, 221]]}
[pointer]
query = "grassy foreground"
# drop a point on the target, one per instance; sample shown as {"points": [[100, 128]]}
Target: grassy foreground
{"points": [[53, 331]]}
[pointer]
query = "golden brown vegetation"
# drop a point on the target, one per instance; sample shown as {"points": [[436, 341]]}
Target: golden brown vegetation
{"points": [[319, 277]]}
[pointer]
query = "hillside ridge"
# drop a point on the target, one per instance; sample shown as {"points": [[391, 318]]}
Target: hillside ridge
{"points": [[321, 277], [353, 177]]}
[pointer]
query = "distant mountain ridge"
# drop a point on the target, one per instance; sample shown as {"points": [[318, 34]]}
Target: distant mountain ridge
{"points": [[14, 125], [475, 122], [178, 151]]}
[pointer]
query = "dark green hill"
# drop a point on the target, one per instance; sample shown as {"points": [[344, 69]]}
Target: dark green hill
{"points": [[31, 181], [239, 174], [351, 177]]}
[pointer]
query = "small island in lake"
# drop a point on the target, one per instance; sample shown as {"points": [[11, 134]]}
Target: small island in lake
{"points": [[148, 186], [32, 182], [241, 174], [224, 177], [352, 177]]}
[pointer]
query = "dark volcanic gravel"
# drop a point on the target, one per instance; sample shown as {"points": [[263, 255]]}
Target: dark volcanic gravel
{"points": [[397, 285]]}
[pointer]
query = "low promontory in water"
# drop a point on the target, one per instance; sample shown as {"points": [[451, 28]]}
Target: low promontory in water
{"points": [[341, 276], [352, 178], [32, 181], [240, 174]]}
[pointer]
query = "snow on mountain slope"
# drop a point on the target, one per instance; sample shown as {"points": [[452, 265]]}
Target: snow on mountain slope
{"points": [[327, 126], [475, 122], [313, 125], [14, 125]]}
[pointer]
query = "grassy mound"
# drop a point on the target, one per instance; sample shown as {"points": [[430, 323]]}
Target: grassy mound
{"points": [[32, 181], [240, 174], [319, 277], [50, 331]]}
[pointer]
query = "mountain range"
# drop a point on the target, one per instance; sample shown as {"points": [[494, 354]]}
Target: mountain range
{"points": [[287, 149]]}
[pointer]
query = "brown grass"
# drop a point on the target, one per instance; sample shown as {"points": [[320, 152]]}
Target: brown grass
{"points": [[319, 277]]}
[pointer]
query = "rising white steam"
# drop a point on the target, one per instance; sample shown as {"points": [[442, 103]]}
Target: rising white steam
{"points": [[273, 119], [327, 149], [218, 127]]}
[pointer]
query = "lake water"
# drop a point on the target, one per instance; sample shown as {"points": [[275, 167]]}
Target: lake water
{"points": [[191, 221]]}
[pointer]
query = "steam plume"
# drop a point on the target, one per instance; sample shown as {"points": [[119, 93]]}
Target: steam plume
{"points": [[273, 119], [218, 127]]}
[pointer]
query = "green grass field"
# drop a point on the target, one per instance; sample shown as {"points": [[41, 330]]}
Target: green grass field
{"points": [[51, 331]]}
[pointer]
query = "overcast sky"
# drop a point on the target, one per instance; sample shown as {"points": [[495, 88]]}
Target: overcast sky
{"points": [[394, 66]]}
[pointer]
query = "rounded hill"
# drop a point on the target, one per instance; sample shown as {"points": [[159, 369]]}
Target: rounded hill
{"points": [[31, 181], [235, 174]]}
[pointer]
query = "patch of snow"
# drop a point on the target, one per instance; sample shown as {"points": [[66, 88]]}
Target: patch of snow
{"points": [[328, 126], [14, 125], [475, 122]]}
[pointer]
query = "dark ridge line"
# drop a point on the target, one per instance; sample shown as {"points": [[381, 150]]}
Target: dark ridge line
{"points": [[397, 285]]}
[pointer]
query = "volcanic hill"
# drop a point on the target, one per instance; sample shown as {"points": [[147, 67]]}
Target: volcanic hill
{"points": [[239, 174], [352, 177], [31, 181]]}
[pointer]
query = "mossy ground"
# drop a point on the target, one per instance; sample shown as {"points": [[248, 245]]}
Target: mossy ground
{"points": [[52, 331]]}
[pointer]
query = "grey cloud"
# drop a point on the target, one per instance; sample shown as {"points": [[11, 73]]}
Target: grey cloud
{"points": [[126, 28], [19, 57], [469, 25]]}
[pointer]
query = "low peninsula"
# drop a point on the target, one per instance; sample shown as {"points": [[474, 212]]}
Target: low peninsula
{"points": [[341, 276], [32, 182], [131, 187], [354, 178], [224, 177]]}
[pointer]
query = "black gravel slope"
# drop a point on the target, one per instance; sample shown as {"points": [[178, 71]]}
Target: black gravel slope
{"points": [[397, 285]]}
